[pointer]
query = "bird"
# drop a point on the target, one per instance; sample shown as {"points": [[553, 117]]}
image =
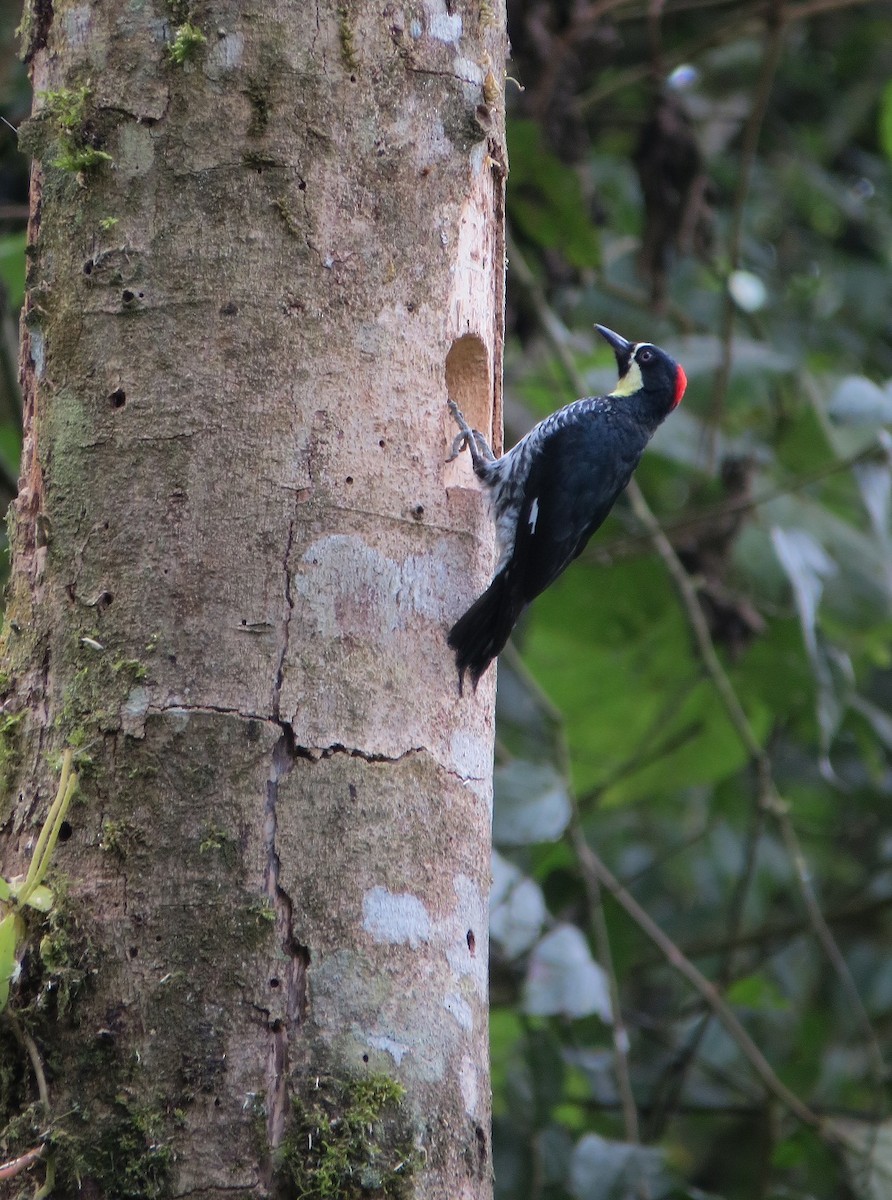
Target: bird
{"points": [[551, 491]]}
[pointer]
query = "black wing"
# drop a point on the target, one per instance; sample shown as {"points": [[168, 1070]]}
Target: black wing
{"points": [[574, 480]]}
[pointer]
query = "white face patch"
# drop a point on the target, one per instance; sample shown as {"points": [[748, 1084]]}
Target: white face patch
{"points": [[534, 514], [630, 382]]}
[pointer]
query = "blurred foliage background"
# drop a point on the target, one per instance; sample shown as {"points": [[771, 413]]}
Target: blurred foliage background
{"points": [[692, 979], [696, 731]]}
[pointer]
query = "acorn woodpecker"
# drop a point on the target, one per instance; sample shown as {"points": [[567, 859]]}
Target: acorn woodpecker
{"points": [[551, 492]]}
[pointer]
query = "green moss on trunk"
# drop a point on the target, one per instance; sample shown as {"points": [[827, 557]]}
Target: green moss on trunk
{"points": [[349, 1137]]}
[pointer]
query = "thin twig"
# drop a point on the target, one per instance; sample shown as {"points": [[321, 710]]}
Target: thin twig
{"points": [[590, 863], [635, 297], [764, 935], [819, 924], [700, 629], [49, 1181], [598, 924], [810, 8], [601, 933], [30, 1047], [677, 1072], [592, 99], [46, 842], [15, 1166], [740, 504], [774, 42]]}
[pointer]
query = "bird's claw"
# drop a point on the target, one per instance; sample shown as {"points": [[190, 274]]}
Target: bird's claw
{"points": [[462, 439], [469, 438], [459, 443]]}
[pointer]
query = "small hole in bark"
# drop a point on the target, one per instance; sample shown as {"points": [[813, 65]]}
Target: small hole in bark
{"points": [[381, 443], [229, 309], [349, 478], [65, 831], [274, 982], [103, 601], [302, 186], [127, 296], [133, 951], [216, 1102], [365, 1058], [118, 398], [353, 79], [88, 267], [472, 941]]}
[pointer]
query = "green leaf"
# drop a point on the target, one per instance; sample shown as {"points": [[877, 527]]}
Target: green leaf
{"points": [[757, 992], [40, 898], [885, 121], [9, 936], [546, 201], [790, 1153], [12, 267]]}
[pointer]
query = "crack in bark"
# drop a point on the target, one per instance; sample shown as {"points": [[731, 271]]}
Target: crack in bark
{"points": [[311, 754], [443, 75], [293, 978], [286, 629], [315, 753], [158, 710], [296, 956]]}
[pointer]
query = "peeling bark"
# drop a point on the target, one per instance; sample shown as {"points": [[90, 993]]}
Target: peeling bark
{"points": [[236, 550]]}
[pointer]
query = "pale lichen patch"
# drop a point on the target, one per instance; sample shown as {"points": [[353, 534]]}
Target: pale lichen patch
{"points": [[395, 917]]}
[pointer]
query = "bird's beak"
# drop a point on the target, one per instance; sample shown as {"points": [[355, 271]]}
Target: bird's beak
{"points": [[621, 348]]}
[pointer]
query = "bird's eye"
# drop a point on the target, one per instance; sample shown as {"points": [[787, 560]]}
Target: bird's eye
{"points": [[645, 354]]}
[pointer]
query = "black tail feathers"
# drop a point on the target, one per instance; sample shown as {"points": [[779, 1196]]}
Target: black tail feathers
{"points": [[482, 632]]}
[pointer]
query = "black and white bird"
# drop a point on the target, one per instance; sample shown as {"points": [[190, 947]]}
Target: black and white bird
{"points": [[551, 492]]}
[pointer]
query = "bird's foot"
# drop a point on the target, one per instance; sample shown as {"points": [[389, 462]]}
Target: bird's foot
{"points": [[473, 439]]}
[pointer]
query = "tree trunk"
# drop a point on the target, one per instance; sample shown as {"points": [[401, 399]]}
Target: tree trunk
{"points": [[236, 551]]}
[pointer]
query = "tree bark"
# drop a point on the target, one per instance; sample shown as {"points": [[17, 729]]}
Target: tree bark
{"points": [[236, 551]]}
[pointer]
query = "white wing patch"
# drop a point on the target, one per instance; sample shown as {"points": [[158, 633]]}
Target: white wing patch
{"points": [[534, 514]]}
